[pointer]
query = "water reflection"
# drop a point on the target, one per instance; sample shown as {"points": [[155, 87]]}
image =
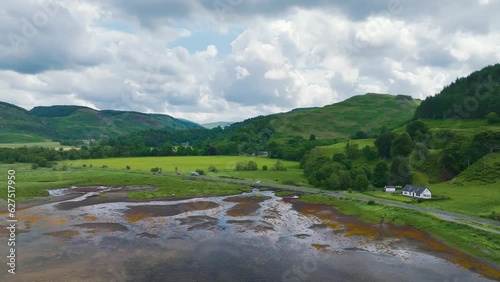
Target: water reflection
{"points": [[253, 237]]}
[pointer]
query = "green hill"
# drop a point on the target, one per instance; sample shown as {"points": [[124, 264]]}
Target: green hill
{"points": [[18, 125], [77, 122], [368, 113]]}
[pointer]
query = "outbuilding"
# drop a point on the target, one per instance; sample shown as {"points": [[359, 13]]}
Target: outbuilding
{"points": [[390, 189]]}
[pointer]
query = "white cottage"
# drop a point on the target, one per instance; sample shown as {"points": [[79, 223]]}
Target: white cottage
{"points": [[390, 189], [417, 192]]}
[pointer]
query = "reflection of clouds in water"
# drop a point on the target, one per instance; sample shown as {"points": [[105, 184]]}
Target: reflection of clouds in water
{"points": [[203, 237]]}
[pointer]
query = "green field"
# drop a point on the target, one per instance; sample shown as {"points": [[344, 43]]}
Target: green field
{"points": [[32, 183], [338, 148], [224, 164], [55, 145]]}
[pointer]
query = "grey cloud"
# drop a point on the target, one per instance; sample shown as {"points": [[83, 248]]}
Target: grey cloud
{"points": [[43, 37]]}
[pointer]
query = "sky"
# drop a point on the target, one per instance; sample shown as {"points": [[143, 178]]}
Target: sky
{"points": [[228, 60]]}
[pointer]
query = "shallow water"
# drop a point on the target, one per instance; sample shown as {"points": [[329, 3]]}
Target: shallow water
{"points": [[247, 238]]}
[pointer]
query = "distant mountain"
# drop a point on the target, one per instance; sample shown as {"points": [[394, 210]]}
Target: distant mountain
{"points": [[77, 122], [222, 124], [471, 97]]}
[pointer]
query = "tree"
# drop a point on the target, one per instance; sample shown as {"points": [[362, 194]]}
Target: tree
{"points": [[341, 158], [312, 137], [418, 127], [489, 139], [400, 171], [361, 182], [369, 153], [360, 135], [402, 145], [450, 156], [383, 144], [380, 176], [345, 179], [42, 162], [421, 152], [352, 151], [492, 118]]}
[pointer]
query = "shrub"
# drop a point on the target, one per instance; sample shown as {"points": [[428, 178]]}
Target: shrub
{"points": [[128, 167], [155, 169], [34, 166], [251, 165], [278, 166], [264, 167], [371, 202], [290, 182], [64, 168], [200, 171], [42, 162], [84, 165], [212, 169]]}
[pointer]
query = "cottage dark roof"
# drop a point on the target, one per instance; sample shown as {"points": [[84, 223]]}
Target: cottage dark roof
{"points": [[416, 189]]}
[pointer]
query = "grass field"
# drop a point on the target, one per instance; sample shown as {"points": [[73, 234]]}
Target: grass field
{"points": [[339, 147], [32, 183], [55, 145], [471, 199], [470, 240], [224, 164]]}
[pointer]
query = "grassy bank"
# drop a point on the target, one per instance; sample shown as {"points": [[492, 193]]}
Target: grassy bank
{"points": [[472, 241], [33, 183]]}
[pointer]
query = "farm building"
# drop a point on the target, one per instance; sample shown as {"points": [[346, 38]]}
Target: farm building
{"points": [[417, 191], [390, 189]]}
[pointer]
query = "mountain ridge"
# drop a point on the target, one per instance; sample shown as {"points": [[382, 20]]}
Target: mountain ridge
{"points": [[43, 123]]}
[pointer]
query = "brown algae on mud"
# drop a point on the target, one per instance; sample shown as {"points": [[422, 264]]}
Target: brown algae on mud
{"points": [[246, 205], [135, 213], [352, 226], [63, 234]]}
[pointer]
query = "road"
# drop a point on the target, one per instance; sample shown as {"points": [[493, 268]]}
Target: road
{"points": [[475, 222]]}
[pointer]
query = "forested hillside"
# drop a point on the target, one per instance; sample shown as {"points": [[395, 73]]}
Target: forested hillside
{"points": [[471, 97], [78, 123]]}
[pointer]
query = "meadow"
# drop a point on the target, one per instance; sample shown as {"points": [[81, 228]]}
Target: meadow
{"points": [[225, 165], [338, 148], [34, 183]]}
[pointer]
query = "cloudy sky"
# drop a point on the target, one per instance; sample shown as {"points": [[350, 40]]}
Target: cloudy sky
{"points": [[227, 60]]}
